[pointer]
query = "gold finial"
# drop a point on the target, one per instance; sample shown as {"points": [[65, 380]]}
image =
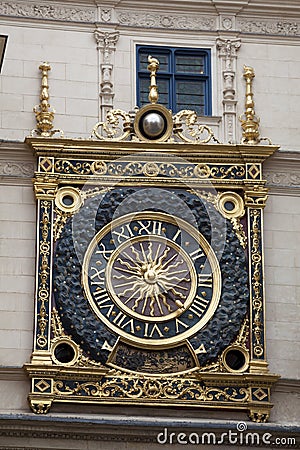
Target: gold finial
{"points": [[153, 67], [249, 121], [44, 116]]}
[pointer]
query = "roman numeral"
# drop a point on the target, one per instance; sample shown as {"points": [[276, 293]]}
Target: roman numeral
{"points": [[176, 235], [104, 302], [198, 253], [154, 329], [205, 280], [97, 273], [124, 234], [119, 321], [178, 324], [199, 305], [103, 252], [154, 227]]}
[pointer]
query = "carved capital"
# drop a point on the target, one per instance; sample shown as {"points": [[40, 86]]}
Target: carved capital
{"points": [[106, 42], [40, 406], [259, 415], [45, 188], [228, 50], [256, 196]]}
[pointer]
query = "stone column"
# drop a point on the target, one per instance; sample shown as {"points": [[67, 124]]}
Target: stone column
{"points": [[228, 53], [106, 45]]}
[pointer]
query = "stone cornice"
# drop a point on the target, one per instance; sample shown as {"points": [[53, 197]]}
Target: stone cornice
{"points": [[16, 161], [271, 27], [46, 11], [288, 386], [165, 20], [267, 18], [12, 374], [282, 172]]}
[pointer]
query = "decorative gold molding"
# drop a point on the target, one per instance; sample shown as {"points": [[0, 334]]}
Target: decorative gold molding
{"points": [[257, 301], [43, 295], [116, 127], [59, 336], [188, 128]]}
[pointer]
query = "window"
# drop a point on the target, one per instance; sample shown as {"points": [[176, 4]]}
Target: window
{"points": [[183, 78]]}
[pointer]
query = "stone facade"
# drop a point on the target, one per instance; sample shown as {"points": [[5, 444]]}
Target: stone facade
{"points": [[91, 50]]}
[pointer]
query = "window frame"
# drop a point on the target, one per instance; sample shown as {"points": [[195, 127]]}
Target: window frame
{"points": [[174, 77]]}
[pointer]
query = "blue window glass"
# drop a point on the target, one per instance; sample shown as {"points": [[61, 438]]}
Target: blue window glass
{"points": [[183, 78]]}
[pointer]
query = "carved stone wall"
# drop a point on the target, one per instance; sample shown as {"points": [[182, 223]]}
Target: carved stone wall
{"points": [[39, 10]]}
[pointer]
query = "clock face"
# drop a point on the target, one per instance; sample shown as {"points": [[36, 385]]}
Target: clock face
{"points": [[149, 285], [151, 278]]}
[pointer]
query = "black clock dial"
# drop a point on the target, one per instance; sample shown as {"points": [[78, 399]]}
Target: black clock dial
{"points": [[96, 315]]}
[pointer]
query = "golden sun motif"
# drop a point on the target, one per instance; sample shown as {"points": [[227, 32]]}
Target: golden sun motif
{"points": [[151, 279]]}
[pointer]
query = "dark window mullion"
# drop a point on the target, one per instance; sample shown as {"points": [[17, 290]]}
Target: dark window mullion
{"points": [[173, 105]]}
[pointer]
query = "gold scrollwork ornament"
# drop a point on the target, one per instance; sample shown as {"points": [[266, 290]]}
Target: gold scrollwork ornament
{"points": [[117, 126]]}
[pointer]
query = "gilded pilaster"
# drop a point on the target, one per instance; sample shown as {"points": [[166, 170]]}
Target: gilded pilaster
{"points": [[255, 201], [45, 188]]}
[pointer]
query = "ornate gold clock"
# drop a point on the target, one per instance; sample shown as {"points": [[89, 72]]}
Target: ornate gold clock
{"points": [[152, 278], [150, 266]]}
